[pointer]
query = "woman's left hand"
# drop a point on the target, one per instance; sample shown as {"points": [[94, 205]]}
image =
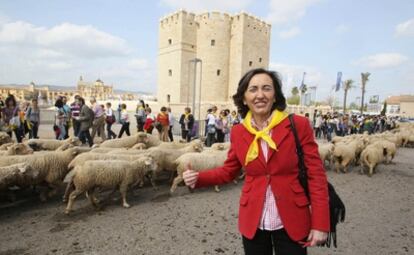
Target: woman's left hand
{"points": [[315, 237]]}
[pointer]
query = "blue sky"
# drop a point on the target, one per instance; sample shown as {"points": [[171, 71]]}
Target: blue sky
{"points": [[54, 42]]}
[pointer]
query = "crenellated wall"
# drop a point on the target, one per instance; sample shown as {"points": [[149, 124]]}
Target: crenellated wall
{"points": [[227, 45]]}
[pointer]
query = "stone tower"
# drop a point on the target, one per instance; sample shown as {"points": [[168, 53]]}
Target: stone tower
{"points": [[228, 46], [177, 45]]}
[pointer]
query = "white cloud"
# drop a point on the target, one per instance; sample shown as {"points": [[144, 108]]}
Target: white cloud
{"points": [[381, 60], [203, 5], [287, 34], [58, 55], [341, 29], [66, 38], [405, 28], [286, 12]]}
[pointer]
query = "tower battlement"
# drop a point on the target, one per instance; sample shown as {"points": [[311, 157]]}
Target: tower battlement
{"points": [[173, 18]]}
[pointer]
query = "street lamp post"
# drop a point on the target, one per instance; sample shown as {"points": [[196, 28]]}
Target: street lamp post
{"points": [[195, 61]]}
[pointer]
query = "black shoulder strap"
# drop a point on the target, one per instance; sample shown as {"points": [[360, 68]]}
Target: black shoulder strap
{"points": [[303, 175]]}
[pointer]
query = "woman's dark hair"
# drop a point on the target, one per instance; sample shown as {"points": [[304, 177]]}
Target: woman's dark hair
{"points": [[59, 103], [238, 98], [142, 103], [82, 100], [123, 106], [163, 109], [9, 99]]}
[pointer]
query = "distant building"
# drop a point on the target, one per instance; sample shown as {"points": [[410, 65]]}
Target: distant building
{"points": [[95, 89], [227, 45], [400, 105], [47, 94]]}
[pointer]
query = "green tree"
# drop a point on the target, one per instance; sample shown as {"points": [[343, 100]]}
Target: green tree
{"points": [[293, 100], [295, 91], [384, 108], [364, 80], [348, 84]]}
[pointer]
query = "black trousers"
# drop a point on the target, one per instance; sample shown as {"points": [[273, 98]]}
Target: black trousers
{"points": [[85, 135], [124, 128], [265, 242], [170, 134]]}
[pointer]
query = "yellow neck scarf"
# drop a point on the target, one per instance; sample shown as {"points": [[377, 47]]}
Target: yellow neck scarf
{"points": [[253, 151]]}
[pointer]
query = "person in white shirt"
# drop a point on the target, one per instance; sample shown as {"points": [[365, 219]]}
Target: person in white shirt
{"points": [[171, 120], [110, 119], [210, 128]]}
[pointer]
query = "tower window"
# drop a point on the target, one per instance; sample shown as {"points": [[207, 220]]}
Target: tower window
{"points": [[260, 60], [250, 63], [169, 72], [213, 42], [168, 98], [218, 72], [169, 41]]}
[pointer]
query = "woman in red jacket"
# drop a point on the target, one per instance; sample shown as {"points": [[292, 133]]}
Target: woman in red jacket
{"points": [[274, 212]]}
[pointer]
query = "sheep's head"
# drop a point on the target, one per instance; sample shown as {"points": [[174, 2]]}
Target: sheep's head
{"points": [[150, 164], [20, 149], [197, 147], [75, 141], [142, 137], [4, 138], [140, 146], [26, 173]]}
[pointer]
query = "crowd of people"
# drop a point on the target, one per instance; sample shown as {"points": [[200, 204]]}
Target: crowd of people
{"points": [[325, 125], [23, 120]]}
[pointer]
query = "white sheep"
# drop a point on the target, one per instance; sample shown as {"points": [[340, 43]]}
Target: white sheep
{"points": [[198, 162], [325, 152], [5, 146], [166, 158], [85, 157], [10, 175], [343, 155], [51, 144], [51, 167], [220, 146], [99, 173], [129, 141], [17, 149], [370, 157], [139, 146], [389, 149], [5, 138]]}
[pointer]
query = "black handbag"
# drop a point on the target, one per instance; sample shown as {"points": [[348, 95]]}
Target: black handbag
{"points": [[336, 206]]}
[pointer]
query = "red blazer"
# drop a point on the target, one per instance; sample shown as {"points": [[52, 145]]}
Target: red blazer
{"points": [[281, 171]]}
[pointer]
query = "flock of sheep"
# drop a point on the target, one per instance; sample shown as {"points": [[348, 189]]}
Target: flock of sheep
{"points": [[130, 161], [366, 150], [114, 164]]}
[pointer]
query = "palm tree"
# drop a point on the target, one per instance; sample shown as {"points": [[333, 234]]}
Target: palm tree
{"points": [[295, 91], [348, 84], [304, 89], [364, 79]]}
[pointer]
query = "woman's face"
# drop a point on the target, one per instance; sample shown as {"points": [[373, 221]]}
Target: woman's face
{"points": [[260, 94]]}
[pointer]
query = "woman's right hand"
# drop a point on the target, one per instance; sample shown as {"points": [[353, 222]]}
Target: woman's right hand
{"points": [[190, 177]]}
